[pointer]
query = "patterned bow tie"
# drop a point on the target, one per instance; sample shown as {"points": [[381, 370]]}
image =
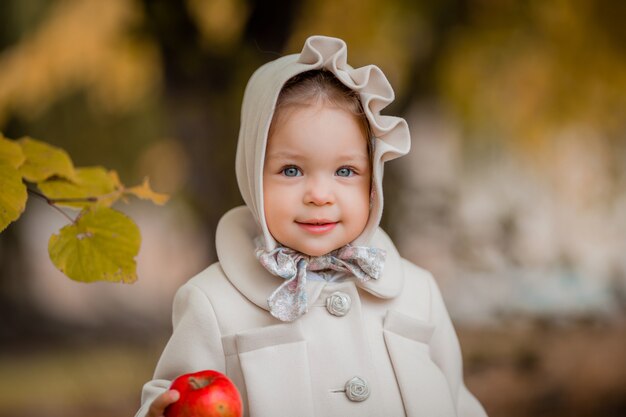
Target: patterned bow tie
{"points": [[289, 300]]}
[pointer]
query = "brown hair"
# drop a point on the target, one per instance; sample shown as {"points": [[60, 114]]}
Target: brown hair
{"points": [[310, 86]]}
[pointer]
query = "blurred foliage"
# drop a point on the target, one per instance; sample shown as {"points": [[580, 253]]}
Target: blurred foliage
{"points": [[522, 71], [80, 72], [80, 45], [220, 22]]}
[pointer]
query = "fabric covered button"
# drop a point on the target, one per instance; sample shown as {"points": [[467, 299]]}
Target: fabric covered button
{"points": [[357, 389], [338, 303]]}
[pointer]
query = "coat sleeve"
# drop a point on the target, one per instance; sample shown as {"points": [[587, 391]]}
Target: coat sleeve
{"points": [[446, 353], [195, 343]]}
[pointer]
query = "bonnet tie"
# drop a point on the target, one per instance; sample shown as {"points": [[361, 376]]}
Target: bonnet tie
{"points": [[289, 301]]}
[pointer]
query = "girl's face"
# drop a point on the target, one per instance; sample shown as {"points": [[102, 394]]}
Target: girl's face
{"points": [[316, 179]]}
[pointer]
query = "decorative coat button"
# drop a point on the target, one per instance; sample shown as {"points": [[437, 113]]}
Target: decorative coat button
{"points": [[357, 389], [338, 303]]}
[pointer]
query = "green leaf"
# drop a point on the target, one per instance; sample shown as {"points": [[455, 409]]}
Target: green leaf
{"points": [[101, 245], [13, 195], [11, 153], [43, 161], [94, 182]]}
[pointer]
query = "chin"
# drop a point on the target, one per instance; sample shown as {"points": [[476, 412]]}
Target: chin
{"points": [[317, 250], [316, 253]]}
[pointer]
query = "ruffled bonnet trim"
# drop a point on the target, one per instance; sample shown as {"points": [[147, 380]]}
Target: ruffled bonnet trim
{"points": [[374, 88]]}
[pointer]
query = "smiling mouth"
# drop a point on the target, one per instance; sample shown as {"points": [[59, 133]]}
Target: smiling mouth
{"points": [[317, 226]]}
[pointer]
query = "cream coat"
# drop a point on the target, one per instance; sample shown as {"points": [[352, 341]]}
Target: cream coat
{"points": [[397, 336]]}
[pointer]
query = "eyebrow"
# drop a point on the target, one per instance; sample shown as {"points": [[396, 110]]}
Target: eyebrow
{"points": [[352, 156], [284, 155], [349, 157]]}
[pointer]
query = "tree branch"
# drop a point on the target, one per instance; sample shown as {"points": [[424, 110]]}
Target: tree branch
{"points": [[52, 202]]}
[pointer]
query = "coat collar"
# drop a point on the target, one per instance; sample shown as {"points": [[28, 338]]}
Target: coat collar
{"points": [[235, 251]]}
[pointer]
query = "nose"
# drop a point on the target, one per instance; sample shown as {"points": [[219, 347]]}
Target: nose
{"points": [[318, 192]]}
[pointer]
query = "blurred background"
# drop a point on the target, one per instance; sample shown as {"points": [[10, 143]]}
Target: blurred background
{"points": [[513, 194]]}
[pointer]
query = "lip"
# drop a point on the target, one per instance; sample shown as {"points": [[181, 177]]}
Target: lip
{"points": [[317, 226]]}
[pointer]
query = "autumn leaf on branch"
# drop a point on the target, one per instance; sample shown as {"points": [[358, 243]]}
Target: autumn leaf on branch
{"points": [[13, 195], [43, 161], [10, 153], [92, 184], [101, 243], [144, 192]]}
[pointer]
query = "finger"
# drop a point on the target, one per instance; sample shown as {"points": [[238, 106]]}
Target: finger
{"points": [[162, 401]]}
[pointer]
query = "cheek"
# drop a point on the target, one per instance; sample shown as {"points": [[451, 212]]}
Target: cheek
{"points": [[274, 207], [269, 200], [358, 205], [364, 209]]}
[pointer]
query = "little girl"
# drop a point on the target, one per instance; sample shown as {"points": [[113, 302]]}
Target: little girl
{"points": [[310, 310]]}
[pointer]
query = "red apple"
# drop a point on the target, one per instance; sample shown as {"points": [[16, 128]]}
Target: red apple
{"points": [[205, 394]]}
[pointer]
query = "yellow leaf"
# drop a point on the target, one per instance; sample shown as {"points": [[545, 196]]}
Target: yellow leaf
{"points": [[43, 161], [13, 195], [10, 153], [115, 178], [101, 245], [144, 192], [102, 186]]}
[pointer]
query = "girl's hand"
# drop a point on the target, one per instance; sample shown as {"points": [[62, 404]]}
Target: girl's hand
{"points": [[157, 408]]}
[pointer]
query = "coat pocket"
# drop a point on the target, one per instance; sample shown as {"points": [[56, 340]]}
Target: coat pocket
{"points": [[275, 366], [424, 388]]}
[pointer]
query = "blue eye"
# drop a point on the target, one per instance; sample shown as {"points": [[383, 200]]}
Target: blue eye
{"points": [[345, 172], [291, 172]]}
